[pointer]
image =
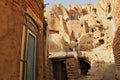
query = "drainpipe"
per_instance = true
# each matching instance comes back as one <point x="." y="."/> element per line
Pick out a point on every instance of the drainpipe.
<point x="45" y="49"/>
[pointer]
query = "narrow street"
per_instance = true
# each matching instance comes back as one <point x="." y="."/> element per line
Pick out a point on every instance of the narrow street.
<point x="59" y="40"/>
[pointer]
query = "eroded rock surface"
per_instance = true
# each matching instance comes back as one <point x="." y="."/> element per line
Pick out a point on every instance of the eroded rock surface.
<point x="88" y="29"/>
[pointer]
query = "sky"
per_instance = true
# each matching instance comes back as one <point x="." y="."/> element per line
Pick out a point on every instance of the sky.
<point x="68" y="2"/>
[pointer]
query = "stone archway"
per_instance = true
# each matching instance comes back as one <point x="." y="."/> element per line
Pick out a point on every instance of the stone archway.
<point x="84" y="66"/>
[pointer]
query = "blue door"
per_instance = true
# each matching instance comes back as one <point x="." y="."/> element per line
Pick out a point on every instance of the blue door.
<point x="30" y="58"/>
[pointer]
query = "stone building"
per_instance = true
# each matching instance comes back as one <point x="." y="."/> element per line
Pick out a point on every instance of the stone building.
<point x="65" y="30"/>
<point x="22" y="40"/>
<point x="116" y="43"/>
<point x="78" y="35"/>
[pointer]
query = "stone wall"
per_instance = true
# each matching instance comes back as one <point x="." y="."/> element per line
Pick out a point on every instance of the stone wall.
<point x="74" y="21"/>
<point x="51" y="70"/>
<point x="116" y="42"/>
<point x="72" y="68"/>
<point x="99" y="24"/>
<point x="10" y="41"/>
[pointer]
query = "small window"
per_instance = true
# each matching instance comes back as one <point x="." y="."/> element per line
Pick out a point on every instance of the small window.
<point x="92" y="30"/>
<point x="73" y="17"/>
<point x="95" y="10"/>
<point x="81" y="25"/>
<point x="97" y="21"/>
<point x="52" y="14"/>
<point x="102" y="34"/>
<point x="101" y="41"/>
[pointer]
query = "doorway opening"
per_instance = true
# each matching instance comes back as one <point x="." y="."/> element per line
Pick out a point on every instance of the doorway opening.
<point x="29" y="49"/>
<point x="84" y="66"/>
<point x="59" y="70"/>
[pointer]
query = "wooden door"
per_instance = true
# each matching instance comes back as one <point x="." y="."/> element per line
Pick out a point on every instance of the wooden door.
<point x="59" y="70"/>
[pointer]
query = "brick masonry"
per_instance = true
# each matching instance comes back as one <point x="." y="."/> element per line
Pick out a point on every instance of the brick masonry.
<point x="71" y="68"/>
<point x="116" y="42"/>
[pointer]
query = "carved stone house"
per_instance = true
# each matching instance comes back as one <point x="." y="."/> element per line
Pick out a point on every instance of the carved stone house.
<point x="73" y="33"/>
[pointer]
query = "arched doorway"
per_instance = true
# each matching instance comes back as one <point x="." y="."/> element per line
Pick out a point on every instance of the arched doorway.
<point x="84" y="66"/>
<point x="59" y="70"/>
<point x="30" y="48"/>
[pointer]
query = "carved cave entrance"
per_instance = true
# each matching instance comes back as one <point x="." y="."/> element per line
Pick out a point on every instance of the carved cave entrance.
<point x="84" y="66"/>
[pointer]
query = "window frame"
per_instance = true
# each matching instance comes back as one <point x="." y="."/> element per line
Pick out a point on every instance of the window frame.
<point x="24" y="48"/>
<point x="26" y="53"/>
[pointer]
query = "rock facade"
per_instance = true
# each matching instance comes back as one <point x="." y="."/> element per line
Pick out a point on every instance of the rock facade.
<point x="75" y="21"/>
<point x="88" y="30"/>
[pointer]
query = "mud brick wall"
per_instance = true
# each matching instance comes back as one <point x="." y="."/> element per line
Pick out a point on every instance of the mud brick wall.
<point x="50" y="70"/>
<point x="72" y="69"/>
<point x="116" y="42"/>
<point x="11" y="31"/>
